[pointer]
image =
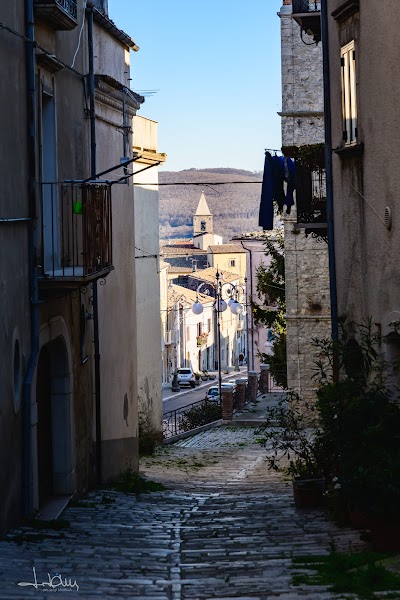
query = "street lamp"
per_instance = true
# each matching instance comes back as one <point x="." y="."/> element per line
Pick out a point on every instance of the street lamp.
<point x="220" y="306"/>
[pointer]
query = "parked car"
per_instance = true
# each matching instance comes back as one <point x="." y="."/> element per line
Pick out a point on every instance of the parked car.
<point x="212" y="393"/>
<point x="186" y="376"/>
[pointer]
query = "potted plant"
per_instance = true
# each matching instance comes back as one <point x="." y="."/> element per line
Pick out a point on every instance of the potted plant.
<point x="291" y="437"/>
<point x="204" y="376"/>
<point x="359" y="420"/>
<point x="197" y="377"/>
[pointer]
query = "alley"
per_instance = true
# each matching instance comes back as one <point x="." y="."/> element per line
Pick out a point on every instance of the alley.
<point x="224" y="527"/>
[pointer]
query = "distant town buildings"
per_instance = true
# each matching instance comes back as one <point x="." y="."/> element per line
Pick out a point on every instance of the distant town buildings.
<point x="189" y="268"/>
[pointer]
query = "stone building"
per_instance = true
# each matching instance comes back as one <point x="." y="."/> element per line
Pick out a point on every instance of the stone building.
<point x="203" y="226"/>
<point x="306" y="250"/>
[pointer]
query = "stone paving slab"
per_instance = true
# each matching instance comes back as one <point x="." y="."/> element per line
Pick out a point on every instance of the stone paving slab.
<point x="225" y="527"/>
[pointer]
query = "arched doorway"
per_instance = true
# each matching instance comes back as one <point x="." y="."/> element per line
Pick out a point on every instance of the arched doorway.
<point x="54" y="422"/>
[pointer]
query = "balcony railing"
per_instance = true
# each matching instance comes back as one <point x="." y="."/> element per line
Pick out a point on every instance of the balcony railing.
<point x="76" y="226"/>
<point x="60" y="14"/>
<point x="305" y="6"/>
<point x="311" y="199"/>
<point x="307" y="14"/>
<point x="187" y="418"/>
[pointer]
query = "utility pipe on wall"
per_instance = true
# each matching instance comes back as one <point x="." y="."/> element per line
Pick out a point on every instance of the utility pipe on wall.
<point x="33" y="276"/>
<point x="96" y="336"/>
<point x="328" y="165"/>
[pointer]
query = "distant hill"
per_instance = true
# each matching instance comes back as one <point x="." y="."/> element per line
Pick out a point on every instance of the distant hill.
<point x="234" y="206"/>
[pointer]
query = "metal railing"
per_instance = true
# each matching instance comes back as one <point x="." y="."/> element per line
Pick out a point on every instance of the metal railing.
<point x="310" y="194"/>
<point x="190" y="417"/>
<point x="68" y="6"/>
<point x="76" y="228"/>
<point x="274" y="384"/>
<point x="305" y="6"/>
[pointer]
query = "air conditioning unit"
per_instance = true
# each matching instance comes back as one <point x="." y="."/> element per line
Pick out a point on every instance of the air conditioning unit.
<point x="168" y="340"/>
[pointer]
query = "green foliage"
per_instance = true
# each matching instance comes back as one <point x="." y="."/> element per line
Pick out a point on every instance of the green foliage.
<point x="292" y="440"/>
<point x="149" y="438"/>
<point x="359" y="422"/>
<point x="360" y="573"/>
<point x="354" y="356"/>
<point x="133" y="483"/>
<point x="201" y="414"/>
<point x="308" y="155"/>
<point x="271" y="292"/>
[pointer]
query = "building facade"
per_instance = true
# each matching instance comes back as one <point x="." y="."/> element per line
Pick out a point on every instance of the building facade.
<point x="68" y="408"/>
<point x="365" y="131"/>
<point x="147" y="327"/>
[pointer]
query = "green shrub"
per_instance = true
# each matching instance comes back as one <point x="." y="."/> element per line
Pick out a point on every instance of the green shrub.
<point x="201" y="414"/>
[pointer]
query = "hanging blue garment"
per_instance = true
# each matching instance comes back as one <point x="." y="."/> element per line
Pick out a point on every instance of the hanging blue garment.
<point x="290" y="177"/>
<point x="266" y="215"/>
<point x="278" y="177"/>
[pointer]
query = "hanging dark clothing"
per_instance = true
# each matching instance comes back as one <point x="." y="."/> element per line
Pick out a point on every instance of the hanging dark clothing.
<point x="289" y="167"/>
<point x="278" y="177"/>
<point x="277" y="170"/>
<point x="266" y="214"/>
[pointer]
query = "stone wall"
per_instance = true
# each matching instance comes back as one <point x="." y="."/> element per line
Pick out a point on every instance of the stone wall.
<point x="307" y="305"/>
<point x="302" y="84"/>
<point x="306" y="258"/>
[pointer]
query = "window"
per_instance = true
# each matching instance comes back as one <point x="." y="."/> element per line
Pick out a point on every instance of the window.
<point x="209" y="325"/>
<point x="232" y="262"/>
<point x="188" y="334"/>
<point x="199" y="329"/>
<point x="203" y="225"/>
<point x="349" y="94"/>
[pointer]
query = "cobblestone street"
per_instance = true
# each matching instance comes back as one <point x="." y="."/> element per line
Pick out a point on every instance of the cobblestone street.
<point x="225" y="527"/>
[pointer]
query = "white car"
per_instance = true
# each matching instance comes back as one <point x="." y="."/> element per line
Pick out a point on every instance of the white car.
<point x="186" y="376"/>
<point x="212" y="392"/>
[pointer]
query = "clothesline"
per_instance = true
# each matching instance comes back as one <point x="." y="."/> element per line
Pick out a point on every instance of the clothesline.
<point x="274" y="150"/>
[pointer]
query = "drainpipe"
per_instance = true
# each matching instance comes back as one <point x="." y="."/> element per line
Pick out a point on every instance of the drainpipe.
<point x="33" y="276"/>
<point x="96" y="339"/>
<point x="328" y="165"/>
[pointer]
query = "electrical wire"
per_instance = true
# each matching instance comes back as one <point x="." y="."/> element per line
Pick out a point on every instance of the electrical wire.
<point x="80" y="33"/>
<point x="365" y="200"/>
<point x="147" y="254"/>
<point x="39" y="47"/>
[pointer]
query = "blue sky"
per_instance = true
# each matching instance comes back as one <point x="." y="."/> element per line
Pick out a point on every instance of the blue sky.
<point x="216" y="64"/>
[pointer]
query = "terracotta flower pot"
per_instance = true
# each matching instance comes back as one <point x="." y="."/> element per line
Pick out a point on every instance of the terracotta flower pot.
<point x="385" y="534"/>
<point x="308" y="493"/>
<point x="358" y="519"/>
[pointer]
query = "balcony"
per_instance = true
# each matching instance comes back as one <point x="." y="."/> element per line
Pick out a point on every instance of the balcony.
<point x="311" y="200"/>
<point x="60" y="14"/>
<point x="307" y="13"/>
<point x="76" y="235"/>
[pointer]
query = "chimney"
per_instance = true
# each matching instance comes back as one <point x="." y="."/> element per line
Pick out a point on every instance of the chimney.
<point x="102" y="6"/>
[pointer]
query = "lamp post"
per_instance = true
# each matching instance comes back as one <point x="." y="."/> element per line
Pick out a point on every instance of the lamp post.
<point x="220" y="306"/>
<point x="176" y="300"/>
